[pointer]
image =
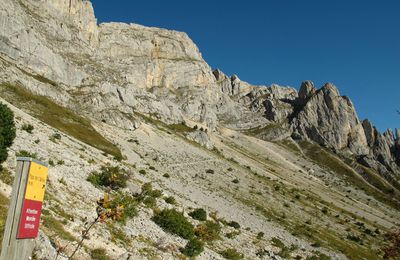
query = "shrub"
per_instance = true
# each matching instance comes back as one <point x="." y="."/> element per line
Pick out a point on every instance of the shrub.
<point x="193" y="248"/>
<point x="208" y="231"/>
<point x="112" y="177"/>
<point x="324" y="210"/>
<point x="51" y="162"/>
<point x="6" y="176"/>
<point x="231" y="254"/>
<point x="7" y="130"/>
<point x="232" y="234"/>
<point x="142" y="172"/>
<point x="99" y="254"/>
<point x="54" y="137"/>
<point x="277" y="242"/>
<point x="23" y="153"/>
<point x="147" y="190"/>
<point x="234" y="224"/>
<point x="170" y="200"/>
<point x="166" y="175"/>
<point x="174" y="222"/>
<point x="260" y="235"/>
<point x="236" y="181"/>
<point x="199" y="214"/>
<point x="28" y="128"/>
<point x="210" y="171"/>
<point x="150" y="202"/>
<point x="128" y="202"/>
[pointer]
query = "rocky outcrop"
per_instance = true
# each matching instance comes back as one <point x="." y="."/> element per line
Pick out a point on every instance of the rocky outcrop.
<point x="201" y="137"/>
<point x="307" y="90"/>
<point x="329" y="119"/>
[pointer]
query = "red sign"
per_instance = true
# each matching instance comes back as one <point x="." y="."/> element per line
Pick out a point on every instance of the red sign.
<point x="30" y="219"/>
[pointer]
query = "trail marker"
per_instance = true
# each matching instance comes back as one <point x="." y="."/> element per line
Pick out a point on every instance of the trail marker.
<point x="23" y="218"/>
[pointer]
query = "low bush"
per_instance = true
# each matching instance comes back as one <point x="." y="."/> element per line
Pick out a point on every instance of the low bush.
<point x="128" y="202"/>
<point x="28" y="128"/>
<point x="231" y="254"/>
<point x="23" y="153"/>
<point x="99" y="254"/>
<point x="6" y="176"/>
<point x="111" y="177"/>
<point x="210" y="171"/>
<point x="193" y="248"/>
<point x="234" y="224"/>
<point x="208" y="231"/>
<point x="174" y="222"/>
<point x="170" y="200"/>
<point x="199" y="214"/>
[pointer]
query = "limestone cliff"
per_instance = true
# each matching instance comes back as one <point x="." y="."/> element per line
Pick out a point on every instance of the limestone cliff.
<point x="113" y="71"/>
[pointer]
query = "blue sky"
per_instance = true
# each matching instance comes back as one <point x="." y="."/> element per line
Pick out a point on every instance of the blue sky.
<point x="353" y="44"/>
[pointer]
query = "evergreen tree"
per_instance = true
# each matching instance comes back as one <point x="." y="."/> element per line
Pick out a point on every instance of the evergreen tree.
<point x="7" y="130"/>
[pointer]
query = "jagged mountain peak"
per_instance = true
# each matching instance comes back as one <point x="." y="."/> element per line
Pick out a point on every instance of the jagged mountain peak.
<point x="254" y="154"/>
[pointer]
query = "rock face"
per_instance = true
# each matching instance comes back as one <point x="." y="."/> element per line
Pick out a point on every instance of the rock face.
<point x="114" y="72"/>
<point x="330" y="119"/>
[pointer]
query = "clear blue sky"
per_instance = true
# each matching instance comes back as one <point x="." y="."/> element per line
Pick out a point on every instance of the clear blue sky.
<point x="354" y="44"/>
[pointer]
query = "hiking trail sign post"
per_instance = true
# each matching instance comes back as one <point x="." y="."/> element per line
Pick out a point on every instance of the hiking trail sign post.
<point x="23" y="218"/>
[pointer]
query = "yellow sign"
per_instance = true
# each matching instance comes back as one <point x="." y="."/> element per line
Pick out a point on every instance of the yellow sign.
<point x="36" y="182"/>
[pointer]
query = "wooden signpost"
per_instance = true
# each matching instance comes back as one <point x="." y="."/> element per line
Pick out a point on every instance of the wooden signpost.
<point x="23" y="218"/>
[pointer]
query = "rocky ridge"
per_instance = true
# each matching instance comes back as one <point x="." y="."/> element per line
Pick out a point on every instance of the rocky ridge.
<point x="132" y="80"/>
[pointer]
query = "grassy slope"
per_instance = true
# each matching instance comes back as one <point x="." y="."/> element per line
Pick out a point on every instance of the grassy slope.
<point x="375" y="186"/>
<point x="57" y="116"/>
<point x="3" y="215"/>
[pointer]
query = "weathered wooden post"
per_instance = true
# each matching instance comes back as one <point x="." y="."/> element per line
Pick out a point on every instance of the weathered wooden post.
<point x="23" y="218"/>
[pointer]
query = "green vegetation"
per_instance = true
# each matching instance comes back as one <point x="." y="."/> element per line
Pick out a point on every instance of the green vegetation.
<point x="326" y="159"/>
<point x="28" y="128"/>
<point x="3" y="215"/>
<point x="55" y="227"/>
<point x="284" y="250"/>
<point x="55" y="137"/>
<point x="170" y="200"/>
<point x="208" y="231"/>
<point x="57" y="116"/>
<point x="318" y="256"/>
<point x="99" y="254"/>
<point x="109" y="176"/>
<point x="118" y="235"/>
<point x="180" y="128"/>
<point x="7" y="131"/>
<point x="193" y="248"/>
<point x="231" y="254"/>
<point x="149" y="195"/>
<point x="174" y="222"/>
<point x="6" y="176"/>
<point x="129" y="204"/>
<point x="59" y="211"/>
<point x="199" y="214"/>
<point x="210" y="171"/>
<point x="24" y="153"/>
<point x="234" y="224"/>
<point x="261" y="130"/>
